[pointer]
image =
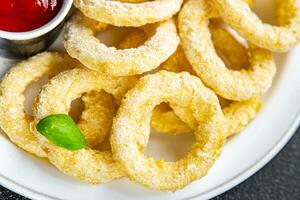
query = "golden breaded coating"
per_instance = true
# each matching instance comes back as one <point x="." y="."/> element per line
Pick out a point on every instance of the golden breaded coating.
<point x="86" y="164"/>
<point x="286" y="11"/>
<point x="177" y="63"/>
<point x="96" y="118"/>
<point x="133" y="40"/>
<point x="132" y="1"/>
<point x="166" y="121"/>
<point x="131" y="129"/>
<point x="225" y="44"/>
<point x="119" y="62"/>
<point x="13" y="119"/>
<point x="239" y="113"/>
<point x="234" y="54"/>
<point x="199" y="50"/>
<point x="227" y="47"/>
<point x="185" y="66"/>
<point x="275" y="38"/>
<point x="129" y="14"/>
<point x="163" y="118"/>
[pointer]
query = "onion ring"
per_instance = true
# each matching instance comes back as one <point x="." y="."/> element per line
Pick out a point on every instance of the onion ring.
<point x="196" y="41"/>
<point x="238" y="114"/>
<point x="16" y="124"/>
<point x="228" y="48"/>
<point x="131" y="130"/>
<point x="86" y="164"/>
<point x="163" y="118"/>
<point x="133" y="1"/>
<point x="133" y="40"/>
<point x="128" y="14"/>
<point x="95" y="55"/>
<point x="13" y="119"/>
<point x="96" y="118"/>
<point x="275" y="38"/>
<point x="233" y="53"/>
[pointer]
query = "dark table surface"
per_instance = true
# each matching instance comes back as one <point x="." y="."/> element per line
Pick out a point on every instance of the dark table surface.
<point x="279" y="179"/>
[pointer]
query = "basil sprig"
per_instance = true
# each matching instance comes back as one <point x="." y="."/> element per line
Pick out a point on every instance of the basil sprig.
<point x="61" y="130"/>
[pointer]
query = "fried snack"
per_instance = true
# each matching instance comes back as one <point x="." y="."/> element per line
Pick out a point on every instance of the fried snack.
<point x="239" y="114"/>
<point x="13" y="119"/>
<point x="132" y="1"/>
<point x="275" y="38"/>
<point x="131" y="129"/>
<point x="227" y="47"/>
<point x="199" y="50"/>
<point x="128" y="14"/>
<point x="133" y="40"/>
<point x="96" y="118"/>
<point x="95" y="55"/>
<point x="86" y="164"/>
<point x="163" y="118"/>
<point x="250" y="2"/>
<point x="233" y="53"/>
<point x="166" y="121"/>
<point x="177" y="63"/>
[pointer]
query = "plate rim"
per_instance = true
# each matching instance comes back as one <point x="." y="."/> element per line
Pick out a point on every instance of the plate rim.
<point x="255" y="167"/>
<point x="219" y="189"/>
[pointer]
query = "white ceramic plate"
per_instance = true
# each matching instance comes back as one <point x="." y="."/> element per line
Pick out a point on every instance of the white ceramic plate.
<point x="242" y="156"/>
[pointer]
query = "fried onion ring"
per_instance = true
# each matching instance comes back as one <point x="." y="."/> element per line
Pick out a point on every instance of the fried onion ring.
<point x="119" y="62"/>
<point x="131" y="129"/>
<point x="233" y="85"/>
<point x="132" y="1"/>
<point x="238" y="114"/>
<point x="96" y="118"/>
<point x="133" y="40"/>
<point x="129" y="14"/>
<point x="13" y="119"/>
<point x="86" y="164"/>
<point x="275" y="38"/>
<point x="163" y="118"/>
<point x="233" y="53"/>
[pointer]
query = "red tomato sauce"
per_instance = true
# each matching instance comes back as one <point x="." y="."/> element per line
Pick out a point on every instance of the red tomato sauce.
<point x="26" y="15"/>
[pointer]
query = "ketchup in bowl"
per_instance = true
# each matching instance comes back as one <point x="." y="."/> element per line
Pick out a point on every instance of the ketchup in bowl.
<point x="26" y="15"/>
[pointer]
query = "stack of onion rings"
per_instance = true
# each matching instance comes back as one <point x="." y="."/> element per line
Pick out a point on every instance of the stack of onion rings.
<point x="239" y="114"/>
<point x="96" y="118"/>
<point x="13" y="119"/>
<point x="204" y="81"/>
<point x="87" y="164"/>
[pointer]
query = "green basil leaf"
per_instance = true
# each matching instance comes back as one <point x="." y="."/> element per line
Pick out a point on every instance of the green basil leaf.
<point x="61" y="130"/>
